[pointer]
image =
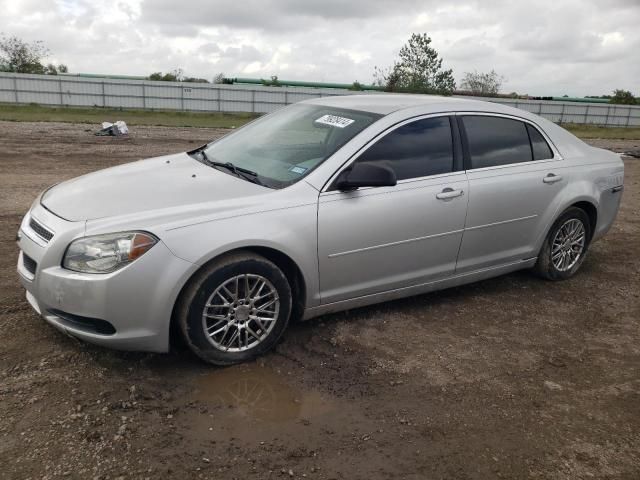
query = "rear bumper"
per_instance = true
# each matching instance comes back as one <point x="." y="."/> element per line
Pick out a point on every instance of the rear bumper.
<point x="136" y="301"/>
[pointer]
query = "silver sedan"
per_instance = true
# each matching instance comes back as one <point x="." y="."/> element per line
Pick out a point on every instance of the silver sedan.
<point x="322" y="206"/>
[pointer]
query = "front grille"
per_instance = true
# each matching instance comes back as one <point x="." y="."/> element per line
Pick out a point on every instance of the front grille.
<point x="40" y="230"/>
<point x="29" y="264"/>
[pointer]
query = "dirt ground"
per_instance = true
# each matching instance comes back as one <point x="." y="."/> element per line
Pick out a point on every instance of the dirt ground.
<point x="514" y="377"/>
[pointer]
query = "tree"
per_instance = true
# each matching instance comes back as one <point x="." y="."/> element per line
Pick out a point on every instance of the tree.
<point x="219" y="78"/>
<point x="194" y="80"/>
<point x="174" y="76"/>
<point x="387" y="78"/>
<point x="51" y="69"/>
<point x="624" y="97"/>
<point x="483" y="84"/>
<point x="418" y="69"/>
<point x="19" y="56"/>
<point x="271" y="83"/>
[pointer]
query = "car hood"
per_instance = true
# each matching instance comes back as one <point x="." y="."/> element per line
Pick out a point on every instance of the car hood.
<point x="153" y="184"/>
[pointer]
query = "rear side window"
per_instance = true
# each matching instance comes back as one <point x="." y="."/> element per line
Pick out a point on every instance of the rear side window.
<point x="541" y="149"/>
<point x="417" y="149"/>
<point x="495" y="141"/>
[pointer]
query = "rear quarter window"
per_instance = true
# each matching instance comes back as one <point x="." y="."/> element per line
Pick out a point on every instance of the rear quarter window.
<point x="540" y="147"/>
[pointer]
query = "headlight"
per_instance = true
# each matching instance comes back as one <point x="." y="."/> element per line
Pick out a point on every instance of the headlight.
<point x="106" y="253"/>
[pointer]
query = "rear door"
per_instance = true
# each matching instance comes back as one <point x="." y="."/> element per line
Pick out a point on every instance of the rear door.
<point x="514" y="176"/>
<point x="373" y="240"/>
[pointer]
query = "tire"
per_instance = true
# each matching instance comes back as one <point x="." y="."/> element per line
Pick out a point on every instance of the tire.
<point x="209" y="317"/>
<point x="552" y="264"/>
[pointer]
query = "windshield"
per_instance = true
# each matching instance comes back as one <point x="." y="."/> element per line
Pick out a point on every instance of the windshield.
<point x="284" y="146"/>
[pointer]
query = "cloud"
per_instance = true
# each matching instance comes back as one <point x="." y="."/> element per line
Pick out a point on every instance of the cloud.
<point x="546" y="48"/>
<point x="273" y="15"/>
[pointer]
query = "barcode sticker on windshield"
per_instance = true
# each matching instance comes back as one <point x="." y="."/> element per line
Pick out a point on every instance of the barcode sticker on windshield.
<point x="335" y="121"/>
<point x="298" y="170"/>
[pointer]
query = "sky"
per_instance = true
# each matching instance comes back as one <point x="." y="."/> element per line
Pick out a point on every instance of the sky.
<point x="540" y="47"/>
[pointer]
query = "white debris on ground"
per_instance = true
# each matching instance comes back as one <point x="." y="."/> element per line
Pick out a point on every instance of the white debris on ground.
<point x="113" y="129"/>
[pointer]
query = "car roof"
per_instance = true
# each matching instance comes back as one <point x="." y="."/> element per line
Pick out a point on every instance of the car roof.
<point x="387" y="103"/>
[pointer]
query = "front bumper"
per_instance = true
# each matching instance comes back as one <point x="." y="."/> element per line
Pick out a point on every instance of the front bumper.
<point x="136" y="301"/>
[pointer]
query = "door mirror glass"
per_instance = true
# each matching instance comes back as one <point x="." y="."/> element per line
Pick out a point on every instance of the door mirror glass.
<point x="366" y="174"/>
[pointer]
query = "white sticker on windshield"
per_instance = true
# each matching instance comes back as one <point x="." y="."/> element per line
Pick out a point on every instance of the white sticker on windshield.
<point x="298" y="170"/>
<point x="335" y="121"/>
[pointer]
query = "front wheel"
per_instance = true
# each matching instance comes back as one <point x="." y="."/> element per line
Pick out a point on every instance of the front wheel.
<point x="565" y="247"/>
<point x="236" y="309"/>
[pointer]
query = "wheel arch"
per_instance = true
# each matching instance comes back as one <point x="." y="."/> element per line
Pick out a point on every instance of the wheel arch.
<point x="584" y="203"/>
<point x="592" y="212"/>
<point x="284" y="262"/>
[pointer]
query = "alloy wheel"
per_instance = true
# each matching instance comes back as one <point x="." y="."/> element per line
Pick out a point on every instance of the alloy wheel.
<point x="240" y="313"/>
<point x="568" y="245"/>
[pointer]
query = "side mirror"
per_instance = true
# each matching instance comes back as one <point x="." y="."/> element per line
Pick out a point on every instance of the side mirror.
<point x="366" y="174"/>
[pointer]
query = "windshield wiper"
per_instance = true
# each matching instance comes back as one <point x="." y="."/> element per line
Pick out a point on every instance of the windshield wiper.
<point x="245" y="173"/>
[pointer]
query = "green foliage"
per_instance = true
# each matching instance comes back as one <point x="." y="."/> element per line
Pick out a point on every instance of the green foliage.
<point x="36" y="113"/>
<point x="219" y="79"/>
<point x="623" y="97"/>
<point x="51" y="69"/>
<point x="174" y="76"/>
<point x="418" y="69"/>
<point x="195" y="80"/>
<point x="21" y="57"/>
<point x="482" y="84"/>
<point x="593" y="131"/>
<point x="271" y="83"/>
<point x="356" y="86"/>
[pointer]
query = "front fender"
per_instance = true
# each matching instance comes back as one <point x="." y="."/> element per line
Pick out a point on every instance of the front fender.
<point x="291" y="231"/>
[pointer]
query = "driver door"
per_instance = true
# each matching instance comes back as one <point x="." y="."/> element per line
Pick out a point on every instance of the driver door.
<point x="377" y="239"/>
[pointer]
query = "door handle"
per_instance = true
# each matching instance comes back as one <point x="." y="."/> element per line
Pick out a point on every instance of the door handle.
<point x="448" y="193"/>
<point x="552" y="178"/>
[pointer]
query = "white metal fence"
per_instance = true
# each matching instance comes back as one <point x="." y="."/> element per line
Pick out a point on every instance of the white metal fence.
<point x="143" y="94"/>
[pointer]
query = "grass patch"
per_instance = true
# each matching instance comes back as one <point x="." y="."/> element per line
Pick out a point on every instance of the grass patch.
<point x="593" y="131"/>
<point x="97" y="115"/>
<point x="172" y="118"/>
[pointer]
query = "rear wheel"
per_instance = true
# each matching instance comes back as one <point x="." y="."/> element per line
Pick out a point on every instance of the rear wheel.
<point x="565" y="247"/>
<point x="235" y="309"/>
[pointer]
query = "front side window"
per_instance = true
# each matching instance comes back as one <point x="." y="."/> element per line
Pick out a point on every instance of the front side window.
<point x="418" y="149"/>
<point x="283" y="147"/>
<point x="495" y="141"/>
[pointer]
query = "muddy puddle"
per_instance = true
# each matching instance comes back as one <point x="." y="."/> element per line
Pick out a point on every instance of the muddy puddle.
<point x="249" y="401"/>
